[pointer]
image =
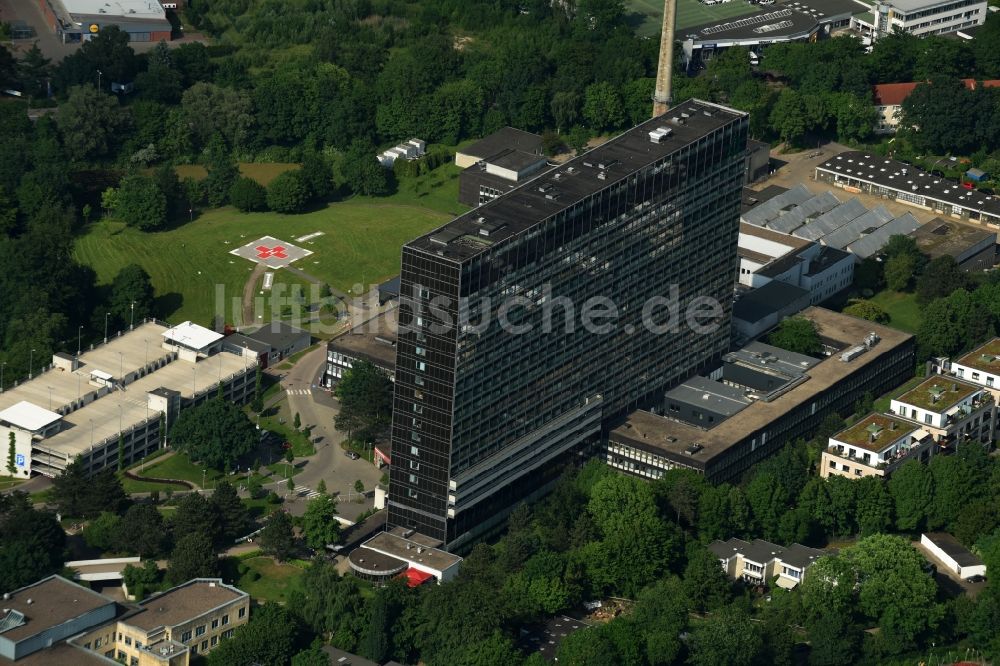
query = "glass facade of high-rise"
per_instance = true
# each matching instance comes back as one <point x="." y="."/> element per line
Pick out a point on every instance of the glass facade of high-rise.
<point x="530" y="322"/>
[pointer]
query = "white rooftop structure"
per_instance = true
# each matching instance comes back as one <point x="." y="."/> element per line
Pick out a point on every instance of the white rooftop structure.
<point x="28" y="416"/>
<point x="119" y="388"/>
<point x="136" y="9"/>
<point x="192" y="336"/>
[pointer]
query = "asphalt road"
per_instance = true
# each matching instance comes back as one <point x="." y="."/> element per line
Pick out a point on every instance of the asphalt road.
<point x="318" y="409"/>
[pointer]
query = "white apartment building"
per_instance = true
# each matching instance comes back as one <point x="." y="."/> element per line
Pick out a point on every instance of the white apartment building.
<point x="758" y="562"/>
<point x="952" y="411"/>
<point x="920" y="17"/>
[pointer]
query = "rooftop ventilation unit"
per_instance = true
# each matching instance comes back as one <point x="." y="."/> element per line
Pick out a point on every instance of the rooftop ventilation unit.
<point x="659" y="134"/>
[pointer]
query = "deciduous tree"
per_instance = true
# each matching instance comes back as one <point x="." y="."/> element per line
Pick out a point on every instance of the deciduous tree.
<point x="215" y="433"/>
<point x="277" y="538"/>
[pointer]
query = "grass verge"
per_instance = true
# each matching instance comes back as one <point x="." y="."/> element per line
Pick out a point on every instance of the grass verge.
<point x="902" y="308"/>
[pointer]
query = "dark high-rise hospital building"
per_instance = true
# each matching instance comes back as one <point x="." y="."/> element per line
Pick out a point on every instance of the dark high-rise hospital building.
<point x="485" y="416"/>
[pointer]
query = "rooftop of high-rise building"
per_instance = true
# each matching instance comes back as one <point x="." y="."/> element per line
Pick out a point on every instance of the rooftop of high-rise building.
<point x="537" y="199"/>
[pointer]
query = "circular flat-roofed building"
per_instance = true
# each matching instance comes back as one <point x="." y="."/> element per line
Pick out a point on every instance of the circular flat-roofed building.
<point x="374" y="566"/>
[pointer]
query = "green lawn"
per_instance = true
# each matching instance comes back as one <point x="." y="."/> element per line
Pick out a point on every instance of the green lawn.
<point x="6" y="483"/>
<point x="266" y="580"/>
<point x="904" y="313"/>
<point x="179" y="466"/>
<point x="190" y="265"/>
<point x="133" y="486"/>
<point x="648" y="14"/>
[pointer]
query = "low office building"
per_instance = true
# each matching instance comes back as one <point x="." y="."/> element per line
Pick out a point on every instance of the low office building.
<point x="191" y="618"/>
<point x="81" y="20"/>
<point x="36" y="617"/>
<point x="759" y="562"/>
<point x="403" y="554"/>
<point x="56" y="622"/>
<point x="952" y="411"/>
<point x="125" y="390"/>
<point x="283" y="339"/>
<point x="759" y="310"/>
<point x="973" y="248"/>
<point x="889" y="98"/>
<point x="498" y="174"/>
<point x="767" y="255"/>
<point x="875" y="446"/>
<point x="863" y="356"/>
<point x="919" y="17"/>
<point x="507" y="138"/>
<point x="497" y="164"/>
<point x="952" y="554"/>
<point x="373" y="341"/>
<point x="855" y="171"/>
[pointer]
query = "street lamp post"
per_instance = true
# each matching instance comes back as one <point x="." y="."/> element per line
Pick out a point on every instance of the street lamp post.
<point x="50" y="397"/>
<point x="106" y="315"/>
<point x="131" y="317"/>
<point x="99" y="74"/>
<point x="31" y="364"/>
<point x="79" y="336"/>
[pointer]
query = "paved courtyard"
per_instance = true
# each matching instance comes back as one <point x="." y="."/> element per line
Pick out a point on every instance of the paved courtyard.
<point x="271" y="252"/>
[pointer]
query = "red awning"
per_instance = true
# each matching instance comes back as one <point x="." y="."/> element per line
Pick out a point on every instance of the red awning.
<point x="415" y="577"/>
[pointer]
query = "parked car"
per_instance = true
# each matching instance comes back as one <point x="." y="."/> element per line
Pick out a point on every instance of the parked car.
<point x="978" y="578"/>
<point x="352" y="455"/>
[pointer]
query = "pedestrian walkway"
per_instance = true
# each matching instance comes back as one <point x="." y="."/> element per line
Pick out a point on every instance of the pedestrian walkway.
<point x="307" y="391"/>
<point x="308" y="493"/>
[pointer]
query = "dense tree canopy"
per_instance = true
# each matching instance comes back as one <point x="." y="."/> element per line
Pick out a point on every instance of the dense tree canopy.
<point x="215" y="433"/>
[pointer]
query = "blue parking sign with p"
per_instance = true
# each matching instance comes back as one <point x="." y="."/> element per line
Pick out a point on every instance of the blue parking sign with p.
<point x="19" y="459"/>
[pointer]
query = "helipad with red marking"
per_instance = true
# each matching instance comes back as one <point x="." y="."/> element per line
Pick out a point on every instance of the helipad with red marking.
<point x="271" y="252"/>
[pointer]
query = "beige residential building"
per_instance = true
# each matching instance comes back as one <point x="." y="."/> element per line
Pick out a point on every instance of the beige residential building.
<point x="875" y="446"/>
<point x="57" y="622"/>
<point x="951" y="410"/>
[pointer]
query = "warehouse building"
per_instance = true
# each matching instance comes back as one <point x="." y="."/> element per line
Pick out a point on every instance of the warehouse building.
<point x="862" y="357"/>
<point x="855" y="171"/>
<point x="81" y="20"/>
<point x="127" y="389"/>
<point x="972" y="248"/>
<point x="823" y="218"/>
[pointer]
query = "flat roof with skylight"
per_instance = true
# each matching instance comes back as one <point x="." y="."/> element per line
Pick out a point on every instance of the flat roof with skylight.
<point x="938" y="394"/>
<point x="985" y="358"/>
<point x="876" y="432"/>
